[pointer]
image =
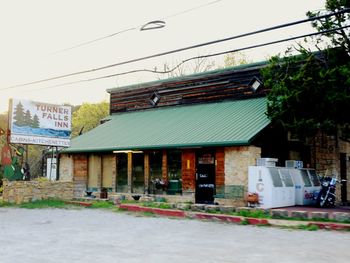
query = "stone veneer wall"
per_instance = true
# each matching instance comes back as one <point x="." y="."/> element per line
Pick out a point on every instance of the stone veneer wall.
<point x="25" y="191"/>
<point x="237" y="160"/>
<point x="326" y="158"/>
<point x="66" y="168"/>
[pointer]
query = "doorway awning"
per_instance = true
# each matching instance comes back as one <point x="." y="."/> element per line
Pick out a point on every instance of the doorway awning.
<point x="230" y="123"/>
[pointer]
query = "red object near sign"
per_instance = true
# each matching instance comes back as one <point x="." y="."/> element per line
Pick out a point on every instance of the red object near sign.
<point x="6" y="155"/>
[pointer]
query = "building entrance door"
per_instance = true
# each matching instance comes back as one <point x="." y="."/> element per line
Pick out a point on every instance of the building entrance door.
<point x="205" y="177"/>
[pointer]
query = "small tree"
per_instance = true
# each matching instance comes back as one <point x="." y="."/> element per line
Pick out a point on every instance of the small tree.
<point x="28" y="118"/>
<point x="36" y="122"/>
<point x="19" y="115"/>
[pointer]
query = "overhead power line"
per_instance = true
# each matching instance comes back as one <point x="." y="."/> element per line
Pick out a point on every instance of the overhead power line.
<point x="93" y="41"/>
<point x="180" y="49"/>
<point x="197" y="57"/>
<point x="131" y="28"/>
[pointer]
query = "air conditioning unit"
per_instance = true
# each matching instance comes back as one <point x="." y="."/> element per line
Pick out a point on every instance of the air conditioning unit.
<point x="294" y="164"/>
<point x="269" y="162"/>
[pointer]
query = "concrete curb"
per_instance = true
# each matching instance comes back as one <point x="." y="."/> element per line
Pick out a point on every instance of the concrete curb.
<point x="232" y="218"/>
<point x="158" y="211"/>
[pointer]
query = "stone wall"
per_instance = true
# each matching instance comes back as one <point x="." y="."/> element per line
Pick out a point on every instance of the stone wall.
<point x="237" y="160"/>
<point x="326" y="152"/>
<point x="25" y="191"/>
<point x="66" y="168"/>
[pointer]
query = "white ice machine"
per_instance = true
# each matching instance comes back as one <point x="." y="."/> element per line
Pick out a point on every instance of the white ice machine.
<point x="307" y="186"/>
<point x="274" y="186"/>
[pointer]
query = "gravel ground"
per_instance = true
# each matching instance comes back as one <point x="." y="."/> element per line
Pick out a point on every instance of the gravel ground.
<point x="88" y="235"/>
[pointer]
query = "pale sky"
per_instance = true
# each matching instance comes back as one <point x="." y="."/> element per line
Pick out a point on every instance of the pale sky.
<point x="32" y="31"/>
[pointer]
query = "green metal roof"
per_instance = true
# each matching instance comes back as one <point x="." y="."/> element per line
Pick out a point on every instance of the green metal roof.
<point x="213" y="124"/>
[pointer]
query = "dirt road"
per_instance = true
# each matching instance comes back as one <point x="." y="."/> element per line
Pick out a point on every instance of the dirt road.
<point x="88" y="236"/>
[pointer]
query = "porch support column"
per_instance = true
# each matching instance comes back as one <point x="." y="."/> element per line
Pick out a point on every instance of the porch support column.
<point x="165" y="166"/>
<point x="129" y="172"/>
<point x="114" y="173"/>
<point x="146" y="172"/>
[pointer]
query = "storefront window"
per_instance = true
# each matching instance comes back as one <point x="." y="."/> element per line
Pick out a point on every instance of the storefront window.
<point x="138" y="173"/>
<point x="122" y="173"/>
<point x="155" y="164"/>
<point x="174" y="172"/>
<point x="156" y="185"/>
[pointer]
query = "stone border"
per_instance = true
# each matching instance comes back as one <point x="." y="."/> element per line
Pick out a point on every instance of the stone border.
<point x="233" y="218"/>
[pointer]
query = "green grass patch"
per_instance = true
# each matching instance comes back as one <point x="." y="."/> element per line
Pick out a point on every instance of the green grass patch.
<point x="213" y="212"/>
<point x="148" y="214"/>
<point x="5" y="204"/>
<point x="308" y="227"/>
<point x="130" y="202"/>
<point x="49" y="203"/>
<point x="253" y="213"/>
<point x="157" y="205"/>
<point x="102" y="204"/>
<point x="244" y="222"/>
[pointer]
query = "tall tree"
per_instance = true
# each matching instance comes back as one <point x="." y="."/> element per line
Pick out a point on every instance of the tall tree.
<point x="235" y="59"/>
<point x="311" y="92"/>
<point x="179" y="69"/>
<point x="3" y="126"/>
<point x="88" y="116"/>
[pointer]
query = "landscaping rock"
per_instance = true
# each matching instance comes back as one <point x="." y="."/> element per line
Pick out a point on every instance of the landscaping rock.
<point x="299" y="214"/>
<point x="183" y="206"/>
<point x="197" y="207"/>
<point x="146" y="199"/>
<point x="227" y="209"/>
<point x="279" y="213"/>
<point x="211" y="208"/>
<point x="341" y="217"/>
<point x="319" y="215"/>
<point x="172" y="205"/>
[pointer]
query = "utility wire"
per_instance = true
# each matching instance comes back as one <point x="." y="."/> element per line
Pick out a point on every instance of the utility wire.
<point x="191" y="9"/>
<point x="197" y="57"/>
<point x="346" y="10"/>
<point x="131" y="28"/>
<point x="93" y="41"/>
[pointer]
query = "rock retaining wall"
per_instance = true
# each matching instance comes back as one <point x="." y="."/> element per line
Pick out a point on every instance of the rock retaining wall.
<point x="25" y="191"/>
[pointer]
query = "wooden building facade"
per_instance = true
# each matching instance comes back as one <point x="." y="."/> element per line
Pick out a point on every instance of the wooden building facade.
<point x="190" y="138"/>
